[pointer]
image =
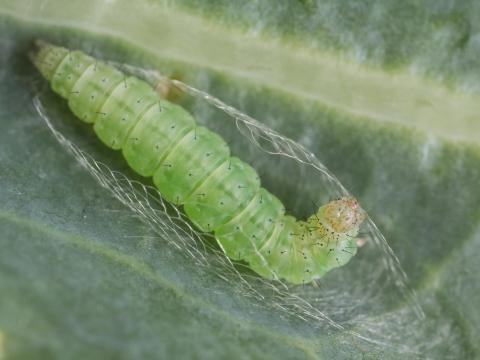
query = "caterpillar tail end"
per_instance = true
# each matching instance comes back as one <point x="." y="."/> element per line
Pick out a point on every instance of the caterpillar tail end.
<point x="46" y="57"/>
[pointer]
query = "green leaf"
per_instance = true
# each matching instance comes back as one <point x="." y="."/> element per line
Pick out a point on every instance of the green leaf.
<point x="385" y="93"/>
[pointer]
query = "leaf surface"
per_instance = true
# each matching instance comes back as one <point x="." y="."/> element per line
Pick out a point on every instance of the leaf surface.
<point x="80" y="277"/>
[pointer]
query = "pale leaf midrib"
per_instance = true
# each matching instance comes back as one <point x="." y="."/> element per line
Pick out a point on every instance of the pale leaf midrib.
<point x="170" y="33"/>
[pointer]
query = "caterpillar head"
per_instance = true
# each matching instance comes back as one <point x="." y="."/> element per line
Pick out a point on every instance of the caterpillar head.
<point x="344" y="214"/>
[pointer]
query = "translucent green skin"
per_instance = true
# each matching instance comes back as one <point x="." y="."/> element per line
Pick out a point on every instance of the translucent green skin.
<point x="191" y="166"/>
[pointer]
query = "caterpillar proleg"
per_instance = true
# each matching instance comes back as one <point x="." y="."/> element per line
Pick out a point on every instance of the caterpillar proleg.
<point x="193" y="167"/>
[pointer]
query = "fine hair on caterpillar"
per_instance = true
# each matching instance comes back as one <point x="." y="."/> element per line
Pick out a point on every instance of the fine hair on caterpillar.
<point x="193" y="167"/>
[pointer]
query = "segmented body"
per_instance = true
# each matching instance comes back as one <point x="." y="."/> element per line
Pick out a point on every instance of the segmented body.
<point x="192" y="167"/>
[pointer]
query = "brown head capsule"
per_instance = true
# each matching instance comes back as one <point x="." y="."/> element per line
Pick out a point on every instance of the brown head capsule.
<point x="344" y="214"/>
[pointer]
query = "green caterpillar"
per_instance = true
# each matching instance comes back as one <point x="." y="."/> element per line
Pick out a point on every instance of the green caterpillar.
<point x="192" y="167"/>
